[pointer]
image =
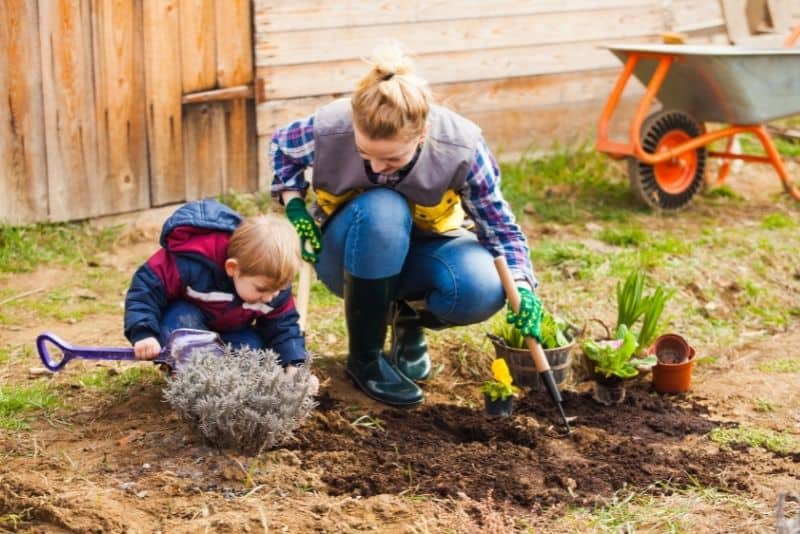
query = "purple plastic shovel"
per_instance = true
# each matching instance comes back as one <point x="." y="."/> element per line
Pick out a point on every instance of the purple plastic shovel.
<point x="180" y="345"/>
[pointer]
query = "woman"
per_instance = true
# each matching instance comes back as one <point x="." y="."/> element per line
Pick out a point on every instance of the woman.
<point x="394" y="176"/>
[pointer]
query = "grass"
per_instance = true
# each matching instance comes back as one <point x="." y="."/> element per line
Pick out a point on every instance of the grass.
<point x="247" y="204"/>
<point x="762" y="405"/>
<point x="784" y="365"/>
<point x="786" y="147"/>
<point x="118" y="384"/>
<point x="568" y="185"/>
<point x="662" y="507"/>
<point x="25" y="248"/>
<point x="779" y="442"/>
<point x="18" y="402"/>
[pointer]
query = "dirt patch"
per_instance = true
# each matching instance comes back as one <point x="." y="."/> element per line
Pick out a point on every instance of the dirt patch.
<point x="446" y="450"/>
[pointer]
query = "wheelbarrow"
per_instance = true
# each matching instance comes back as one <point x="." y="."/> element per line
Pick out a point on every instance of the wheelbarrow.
<point x="698" y="84"/>
<point x="180" y="345"/>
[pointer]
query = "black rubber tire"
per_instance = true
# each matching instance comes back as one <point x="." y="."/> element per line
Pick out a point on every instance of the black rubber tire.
<point x="643" y="177"/>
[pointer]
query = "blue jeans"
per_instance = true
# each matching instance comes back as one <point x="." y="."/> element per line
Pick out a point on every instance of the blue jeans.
<point x="183" y="314"/>
<point x="371" y="237"/>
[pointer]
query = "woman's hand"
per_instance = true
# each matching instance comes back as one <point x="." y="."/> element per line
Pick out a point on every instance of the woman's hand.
<point x="529" y="318"/>
<point x="306" y="228"/>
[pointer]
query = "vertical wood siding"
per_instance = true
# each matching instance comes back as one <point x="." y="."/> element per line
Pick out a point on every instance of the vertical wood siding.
<point x="92" y="112"/>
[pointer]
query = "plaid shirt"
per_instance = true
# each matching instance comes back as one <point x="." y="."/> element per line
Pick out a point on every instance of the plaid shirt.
<point x="292" y="150"/>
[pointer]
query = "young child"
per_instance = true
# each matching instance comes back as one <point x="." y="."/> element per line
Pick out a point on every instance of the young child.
<point x="216" y="271"/>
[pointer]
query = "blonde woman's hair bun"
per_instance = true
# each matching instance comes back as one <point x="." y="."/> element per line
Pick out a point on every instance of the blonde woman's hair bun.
<point x="390" y="100"/>
<point x="388" y="60"/>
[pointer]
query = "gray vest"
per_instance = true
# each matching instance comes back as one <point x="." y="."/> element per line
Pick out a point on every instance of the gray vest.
<point x="443" y="163"/>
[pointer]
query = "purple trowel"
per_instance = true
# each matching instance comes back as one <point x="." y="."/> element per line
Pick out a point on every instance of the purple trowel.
<point x="180" y="345"/>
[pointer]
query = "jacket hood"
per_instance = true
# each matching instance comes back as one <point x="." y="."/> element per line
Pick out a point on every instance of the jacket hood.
<point x="202" y="226"/>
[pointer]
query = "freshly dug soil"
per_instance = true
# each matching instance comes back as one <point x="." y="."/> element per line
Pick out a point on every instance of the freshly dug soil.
<point x="526" y="459"/>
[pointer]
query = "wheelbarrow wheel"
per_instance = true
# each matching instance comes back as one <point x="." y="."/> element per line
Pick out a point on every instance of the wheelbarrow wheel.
<point x="669" y="185"/>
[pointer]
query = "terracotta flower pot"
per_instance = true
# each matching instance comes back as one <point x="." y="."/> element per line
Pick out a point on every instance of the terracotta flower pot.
<point x="675" y="361"/>
<point x="499" y="407"/>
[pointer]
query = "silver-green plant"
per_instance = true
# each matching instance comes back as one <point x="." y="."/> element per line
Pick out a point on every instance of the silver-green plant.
<point x="243" y="399"/>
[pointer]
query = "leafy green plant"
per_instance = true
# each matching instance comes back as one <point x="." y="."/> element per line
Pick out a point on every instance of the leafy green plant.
<point x="633" y="304"/>
<point x="500" y="387"/>
<point x="615" y="357"/>
<point x="653" y="307"/>
<point x="629" y="299"/>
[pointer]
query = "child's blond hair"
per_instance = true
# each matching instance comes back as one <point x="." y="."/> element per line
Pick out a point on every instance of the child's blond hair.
<point x="390" y="101"/>
<point x="266" y="245"/>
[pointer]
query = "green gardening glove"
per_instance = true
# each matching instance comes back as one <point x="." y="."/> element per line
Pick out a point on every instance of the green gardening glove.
<point x="306" y="228"/>
<point x="529" y="319"/>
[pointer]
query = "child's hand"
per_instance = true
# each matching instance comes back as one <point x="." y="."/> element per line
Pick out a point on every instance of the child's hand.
<point x="146" y="349"/>
<point x="313" y="381"/>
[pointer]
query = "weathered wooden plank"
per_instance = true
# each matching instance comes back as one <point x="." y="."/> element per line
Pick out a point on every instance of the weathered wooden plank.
<point x="217" y="95"/>
<point x="23" y="170"/>
<point x="203" y="155"/>
<point x="286" y="15"/>
<point x="70" y="121"/>
<point x="341" y="76"/>
<point x="234" y="43"/>
<point x="198" y="45"/>
<point x="123" y="177"/>
<point x="163" y="96"/>
<point x="253" y="179"/>
<point x="529" y="130"/>
<point x="473" y="97"/>
<point x="237" y="146"/>
<point x="694" y="15"/>
<point x="297" y="47"/>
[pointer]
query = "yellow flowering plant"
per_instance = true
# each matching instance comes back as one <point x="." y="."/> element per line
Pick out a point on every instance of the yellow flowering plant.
<point x="500" y="388"/>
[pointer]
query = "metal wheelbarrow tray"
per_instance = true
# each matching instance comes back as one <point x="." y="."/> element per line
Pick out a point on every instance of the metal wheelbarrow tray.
<point x="698" y="84"/>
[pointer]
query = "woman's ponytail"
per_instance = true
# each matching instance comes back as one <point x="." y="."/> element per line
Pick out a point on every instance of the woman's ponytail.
<point x="390" y="101"/>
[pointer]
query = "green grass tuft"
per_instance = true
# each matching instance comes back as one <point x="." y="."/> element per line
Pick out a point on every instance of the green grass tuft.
<point x="631" y="236"/>
<point x="780" y="442"/>
<point x="247" y="204"/>
<point x="25" y="248"/>
<point x="17" y="402"/>
<point x="784" y="365"/>
<point x="117" y="384"/>
<point x="568" y="185"/>
<point x="775" y="221"/>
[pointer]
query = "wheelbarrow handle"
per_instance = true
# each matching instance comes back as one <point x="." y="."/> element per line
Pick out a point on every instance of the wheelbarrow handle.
<point x="72" y="351"/>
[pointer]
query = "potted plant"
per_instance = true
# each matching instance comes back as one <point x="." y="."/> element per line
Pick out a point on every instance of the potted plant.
<point x="498" y="393"/>
<point x="674" y="362"/>
<point x="558" y="340"/>
<point x="632" y="304"/>
<point x="612" y="363"/>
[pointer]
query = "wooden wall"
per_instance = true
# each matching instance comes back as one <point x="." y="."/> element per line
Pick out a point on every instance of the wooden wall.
<point x="108" y="106"/>
<point x="529" y="73"/>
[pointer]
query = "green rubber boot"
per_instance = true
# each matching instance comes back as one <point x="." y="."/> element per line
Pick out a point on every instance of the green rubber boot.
<point x="366" y="307"/>
<point x="409" y="350"/>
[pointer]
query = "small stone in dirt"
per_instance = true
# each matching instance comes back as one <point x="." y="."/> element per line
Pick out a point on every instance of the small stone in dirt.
<point x="127" y="486"/>
<point x="145" y="466"/>
<point x="142" y="494"/>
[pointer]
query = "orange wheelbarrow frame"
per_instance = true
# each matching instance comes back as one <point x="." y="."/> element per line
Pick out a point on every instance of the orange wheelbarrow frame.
<point x="672" y="154"/>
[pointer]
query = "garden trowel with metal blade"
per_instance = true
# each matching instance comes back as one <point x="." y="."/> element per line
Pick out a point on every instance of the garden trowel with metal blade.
<point x="180" y="345"/>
